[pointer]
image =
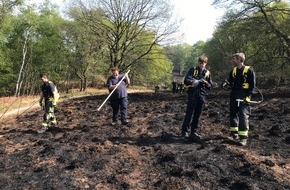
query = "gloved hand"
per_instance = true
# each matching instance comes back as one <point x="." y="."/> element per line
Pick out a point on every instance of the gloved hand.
<point x="247" y="99"/>
<point x="195" y="83"/>
<point x="204" y="82"/>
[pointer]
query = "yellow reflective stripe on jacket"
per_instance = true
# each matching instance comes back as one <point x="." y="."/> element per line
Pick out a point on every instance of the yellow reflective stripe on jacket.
<point x="245" y="71"/>
<point x="55" y="93"/>
<point x="246" y="85"/>
<point x="234" y="72"/>
<point x="206" y="74"/>
<point x="195" y="73"/>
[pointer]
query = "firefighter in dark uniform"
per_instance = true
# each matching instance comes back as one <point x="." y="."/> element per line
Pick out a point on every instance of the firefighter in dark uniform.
<point x="242" y="82"/>
<point x="118" y="99"/>
<point x="197" y="80"/>
<point x="174" y="86"/>
<point x="50" y="96"/>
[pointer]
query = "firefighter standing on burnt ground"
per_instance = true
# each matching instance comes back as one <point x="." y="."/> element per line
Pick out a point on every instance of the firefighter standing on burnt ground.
<point x="242" y="81"/>
<point x="174" y="86"/>
<point x="198" y="80"/>
<point x="119" y="98"/>
<point x="50" y="96"/>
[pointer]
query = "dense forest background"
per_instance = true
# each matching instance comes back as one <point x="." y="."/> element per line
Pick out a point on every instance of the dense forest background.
<point x="77" y="47"/>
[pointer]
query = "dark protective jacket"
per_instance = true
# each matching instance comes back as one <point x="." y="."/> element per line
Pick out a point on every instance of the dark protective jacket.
<point x="242" y="82"/>
<point x="196" y="73"/>
<point x="47" y="89"/>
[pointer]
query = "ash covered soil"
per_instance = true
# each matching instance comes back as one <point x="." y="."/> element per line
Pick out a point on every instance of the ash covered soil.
<point x="86" y="152"/>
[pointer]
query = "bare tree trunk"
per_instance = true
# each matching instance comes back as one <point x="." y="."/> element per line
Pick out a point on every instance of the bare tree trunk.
<point x="81" y="84"/>
<point x="135" y="28"/>
<point x="85" y="83"/>
<point x="24" y="52"/>
<point x="132" y="80"/>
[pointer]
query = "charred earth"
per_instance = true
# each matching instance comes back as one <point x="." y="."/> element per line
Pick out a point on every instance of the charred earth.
<point x="86" y="152"/>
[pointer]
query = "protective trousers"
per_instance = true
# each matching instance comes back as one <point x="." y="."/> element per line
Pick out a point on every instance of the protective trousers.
<point x="119" y="103"/>
<point x="194" y="103"/>
<point x="239" y="117"/>
<point x="49" y="118"/>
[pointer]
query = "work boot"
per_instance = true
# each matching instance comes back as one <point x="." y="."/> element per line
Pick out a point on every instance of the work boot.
<point x="42" y="129"/>
<point x="243" y="142"/>
<point x="195" y="136"/>
<point x="185" y="134"/>
<point x="125" y="122"/>
<point x="53" y="123"/>
<point x="233" y="136"/>
<point x="114" y="123"/>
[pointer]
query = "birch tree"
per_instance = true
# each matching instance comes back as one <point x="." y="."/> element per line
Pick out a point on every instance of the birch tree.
<point x="26" y="36"/>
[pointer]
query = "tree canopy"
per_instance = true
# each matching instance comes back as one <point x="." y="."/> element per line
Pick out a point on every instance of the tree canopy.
<point x="258" y="28"/>
<point x="78" y="47"/>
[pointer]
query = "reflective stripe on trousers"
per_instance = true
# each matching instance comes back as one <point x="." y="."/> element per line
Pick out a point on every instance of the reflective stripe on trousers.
<point x="49" y="116"/>
<point x="239" y="118"/>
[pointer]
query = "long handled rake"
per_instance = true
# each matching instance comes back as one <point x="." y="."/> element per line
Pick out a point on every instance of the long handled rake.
<point x="113" y="91"/>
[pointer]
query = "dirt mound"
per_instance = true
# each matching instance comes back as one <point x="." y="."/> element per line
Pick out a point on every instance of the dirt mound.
<point x="86" y="152"/>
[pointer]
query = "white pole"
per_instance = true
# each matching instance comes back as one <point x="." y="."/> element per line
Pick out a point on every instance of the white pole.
<point x="113" y="90"/>
<point x="252" y="102"/>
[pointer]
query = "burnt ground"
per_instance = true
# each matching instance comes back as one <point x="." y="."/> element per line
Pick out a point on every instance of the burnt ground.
<point x="86" y="152"/>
